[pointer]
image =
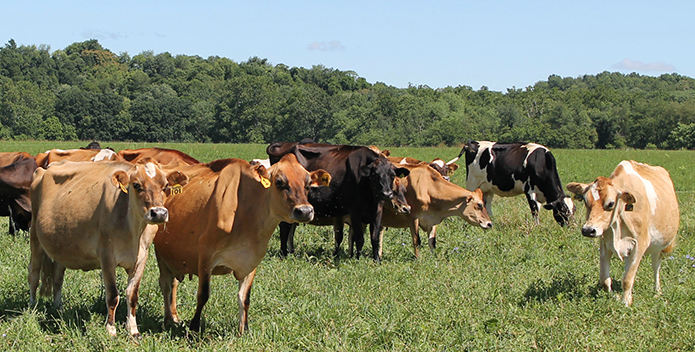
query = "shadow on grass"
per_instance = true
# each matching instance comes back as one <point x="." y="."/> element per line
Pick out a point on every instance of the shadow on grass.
<point x="567" y="288"/>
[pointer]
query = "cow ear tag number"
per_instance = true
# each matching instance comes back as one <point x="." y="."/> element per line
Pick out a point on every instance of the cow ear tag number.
<point x="265" y="182"/>
<point x="176" y="189"/>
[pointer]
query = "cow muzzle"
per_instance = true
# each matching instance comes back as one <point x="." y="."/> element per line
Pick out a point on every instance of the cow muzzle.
<point x="157" y="215"/>
<point x="590" y="231"/>
<point x="303" y="213"/>
<point x="486" y="225"/>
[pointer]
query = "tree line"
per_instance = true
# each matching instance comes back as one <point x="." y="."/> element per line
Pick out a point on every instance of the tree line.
<point x="86" y="92"/>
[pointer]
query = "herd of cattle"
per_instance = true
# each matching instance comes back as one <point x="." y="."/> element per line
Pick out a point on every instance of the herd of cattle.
<point x="94" y="208"/>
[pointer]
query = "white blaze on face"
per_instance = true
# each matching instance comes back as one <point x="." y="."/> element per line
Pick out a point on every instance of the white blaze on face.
<point x="150" y="170"/>
<point x="648" y="186"/>
<point x="594" y="192"/>
<point x="439" y="163"/>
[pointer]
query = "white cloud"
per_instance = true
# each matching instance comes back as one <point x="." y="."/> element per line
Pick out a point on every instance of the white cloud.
<point x="634" y="65"/>
<point x="333" y="45"/>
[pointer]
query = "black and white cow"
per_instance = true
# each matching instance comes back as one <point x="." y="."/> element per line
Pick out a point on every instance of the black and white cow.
<point x="511" y="169"/>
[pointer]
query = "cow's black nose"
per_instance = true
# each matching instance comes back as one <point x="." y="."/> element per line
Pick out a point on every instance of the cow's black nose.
<point x="588" y="231"/>
<point x="157" y="215"/>
<point x="303" y="213"/>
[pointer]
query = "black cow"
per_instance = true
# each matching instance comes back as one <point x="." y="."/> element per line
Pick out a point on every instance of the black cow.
<point x="361" y="181"/>
<point x="15" y="180"/>
<point x="510" y="169"/>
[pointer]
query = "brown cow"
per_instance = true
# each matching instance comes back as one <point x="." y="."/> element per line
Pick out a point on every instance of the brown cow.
<point x="111" y="219"/>
<point x="15" y="180"/>
<point x="634" y="212"/>
<point x="44" y="159"/>
<point x="222" y="222"/>
<point x="161" y="155"/>
<point x="432" y="199"/>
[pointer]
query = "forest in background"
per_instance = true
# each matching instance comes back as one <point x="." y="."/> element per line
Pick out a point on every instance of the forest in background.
<point x="87" y="92"/>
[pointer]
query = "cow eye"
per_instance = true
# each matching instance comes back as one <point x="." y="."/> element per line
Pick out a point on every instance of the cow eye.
<point x="610" y="205"/>
<point x="137" y="186"/>
<point x="281" y="184"/>
<point x="479" y="206"/>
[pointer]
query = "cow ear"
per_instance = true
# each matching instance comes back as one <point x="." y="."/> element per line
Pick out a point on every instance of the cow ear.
<point x="386" y="152"/>
<point x="627" y="197"/>
<point x="121" y="179"/>
<point x="260" y="174"/>
<point x="577" y="188"/>
<point x="320" y="178"/>
<point x="177" y="178"/>
<point x="402" y="172"/>
<point x="453" y="167"/>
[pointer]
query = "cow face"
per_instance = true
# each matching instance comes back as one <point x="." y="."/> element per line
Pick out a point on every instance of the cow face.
<point x="289" y="186"/>
<point x="381" y="174"/>
<point x="399" y="202"/>
<point x="147" y="187"/>
<point x="474" y="211"/>
<point x="603" y="202"/>
<point x="563" y="209"/>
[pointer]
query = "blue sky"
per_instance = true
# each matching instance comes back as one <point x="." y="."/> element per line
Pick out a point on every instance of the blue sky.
<point x="498" y="44"/>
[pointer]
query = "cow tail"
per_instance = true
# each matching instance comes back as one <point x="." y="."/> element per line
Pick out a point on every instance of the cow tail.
<point x="47" y="270"/>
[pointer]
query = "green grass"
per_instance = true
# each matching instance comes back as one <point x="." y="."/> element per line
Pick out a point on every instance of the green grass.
<point x="518" y="286"/>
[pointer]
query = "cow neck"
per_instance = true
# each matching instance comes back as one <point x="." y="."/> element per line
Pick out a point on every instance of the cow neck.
<point x="616" y="227"/>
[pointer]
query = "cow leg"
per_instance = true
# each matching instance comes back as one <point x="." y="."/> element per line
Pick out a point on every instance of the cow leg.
<point x="168" y="285"/>
<point x="11" y="224"/>
<point x="605" y="267"/>
<point x="358" y="233"/>
<point x="204" y="277"/>
<point x="108" y="272"/>
<point x="285" y="229"/>
<point x="290" y="238"/>
<point x="338" y="226"/>
<point x="533" y="204"/>
<point x="35" y="263"/>
<point x="244" y="299"/>
<point x="374" y="228"/>
<point x="58" y="276"/>
<point x="415" y="234"/>
<point x="656" y="266"/>
<point x="432" y="238"/>
<point x="381" y="241"/>
<point x="631" y="265"/>
<point x="487" y="199"/>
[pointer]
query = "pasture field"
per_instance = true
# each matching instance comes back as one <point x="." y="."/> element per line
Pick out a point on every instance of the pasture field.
<point x="518" y="286"/>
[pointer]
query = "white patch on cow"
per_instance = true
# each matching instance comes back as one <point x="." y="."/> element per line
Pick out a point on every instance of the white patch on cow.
<point x="477" y="176"/>
<point x="104" y="154"/>
<point x="439" y="163"/>
<point x="530" y="147"/>
<point x="150" y="170"/>
<point x="648" y="186"/>
<point x="570" y="205"/>
<point x="594" y="192"/>
<point x="403" y="162"/>
<point x="264" y="162"/>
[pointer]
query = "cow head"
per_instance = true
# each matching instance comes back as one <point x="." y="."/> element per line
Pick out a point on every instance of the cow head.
<point x="474" y="211"/>
<point x="563" y="208"/>
<point x="603" y="202"/>
<point x="147" y="187"/>
<point x="289" y="183"/>
<point x="399" y="202"/>
<point x="446" y="169"/>
<point x="381" y="174"/>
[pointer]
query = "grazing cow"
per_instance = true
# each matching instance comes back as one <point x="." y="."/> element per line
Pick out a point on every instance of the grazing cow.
<point x="43" y="160"/>
<point x="161" y="155"/>
<point x="15" y="180"/>
<point x="635" y="212"/>
<point x="510" y="169"/>
<point x="444" y="168"/>
<point x="96" y="215"/>
<point x="222" y="223"/>
<point x="362" y="181"/>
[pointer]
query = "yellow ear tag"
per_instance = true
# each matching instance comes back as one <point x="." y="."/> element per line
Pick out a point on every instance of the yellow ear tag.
<point x="176" y="189"/>
<point x="265" y="182"/>
<point x="123" y="188"/>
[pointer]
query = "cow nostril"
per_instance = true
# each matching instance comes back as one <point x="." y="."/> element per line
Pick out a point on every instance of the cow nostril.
<point x="303" y="213"/>
<point x="158" y="214"/>
<point x="588" y="231"/>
